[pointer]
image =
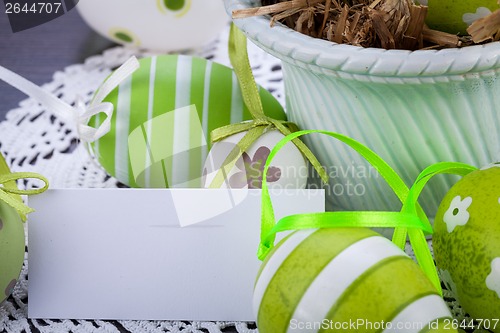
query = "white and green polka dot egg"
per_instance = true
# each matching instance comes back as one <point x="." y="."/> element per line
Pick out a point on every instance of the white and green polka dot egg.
<point x="466" y="242"/>
<point x="151" y="143"/>
<point x="160" y="25"/>
<point x="11" y="249"/>
<point x="323" y="280"/>
<point x="455" y="16"/>
<point x="288" y="170"/>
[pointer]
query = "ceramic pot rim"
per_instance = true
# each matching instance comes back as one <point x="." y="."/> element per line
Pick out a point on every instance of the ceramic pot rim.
<point x="342" y="60"/>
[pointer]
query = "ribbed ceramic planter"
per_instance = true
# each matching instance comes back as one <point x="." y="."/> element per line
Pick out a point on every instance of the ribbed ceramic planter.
<point x="412" y="108"/>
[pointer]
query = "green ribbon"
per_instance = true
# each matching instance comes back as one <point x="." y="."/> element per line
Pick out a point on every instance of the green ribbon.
<point x="461" y="169"/>
<point x="11" y="195"/>
<point x="261" y="123"/>
<point x="410" y="220"/>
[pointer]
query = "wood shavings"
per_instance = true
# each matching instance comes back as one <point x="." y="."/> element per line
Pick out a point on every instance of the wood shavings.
<point x="275" y="8"/>
<point x="413" y="37"/>
<point x="389" y="24"/>
<point x="441" y="38"/>
<point x="305" y="22"/>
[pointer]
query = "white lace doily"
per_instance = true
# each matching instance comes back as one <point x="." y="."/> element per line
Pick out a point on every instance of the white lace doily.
<point x="33" y="139"/>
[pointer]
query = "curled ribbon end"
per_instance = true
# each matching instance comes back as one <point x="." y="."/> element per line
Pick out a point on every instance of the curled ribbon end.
<point x="89" y="134"/>
<point x="10" y="194"/>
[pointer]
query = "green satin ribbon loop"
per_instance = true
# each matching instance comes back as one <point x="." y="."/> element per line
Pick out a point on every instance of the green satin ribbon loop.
<point x="238" y="55"/>
<point x="454" y="168"/>
<point x="368" y="219"/>
<point x="261" y="123"/>
<point x="10" y="194"/>
<point x="228" y="130"/>
<point x="411" y="220"/>
<point x="390" y="176"/>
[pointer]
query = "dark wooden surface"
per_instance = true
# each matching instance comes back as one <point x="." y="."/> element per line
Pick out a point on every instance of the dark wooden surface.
<point x="38" y="52"/>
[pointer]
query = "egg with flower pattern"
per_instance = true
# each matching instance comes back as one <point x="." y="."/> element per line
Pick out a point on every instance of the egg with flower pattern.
<point x="287" y="171"/>
<point x="466" y="243"/>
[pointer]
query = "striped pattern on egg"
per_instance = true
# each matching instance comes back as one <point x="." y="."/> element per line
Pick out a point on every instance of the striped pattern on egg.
<point x="171" y="147"/>
<point x="316" y="280"/>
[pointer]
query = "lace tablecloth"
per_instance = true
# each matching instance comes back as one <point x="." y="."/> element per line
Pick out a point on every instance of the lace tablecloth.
<point x="33" y="139"/>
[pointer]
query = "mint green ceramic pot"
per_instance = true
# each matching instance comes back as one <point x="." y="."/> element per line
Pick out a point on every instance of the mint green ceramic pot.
<point x="412" y="108"/>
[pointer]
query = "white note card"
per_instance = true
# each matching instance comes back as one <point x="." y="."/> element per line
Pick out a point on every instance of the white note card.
<point x="149" y="254"/>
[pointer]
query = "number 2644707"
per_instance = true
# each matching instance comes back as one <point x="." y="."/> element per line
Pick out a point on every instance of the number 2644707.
<point x="488" y="324"/>
<point x="33" y="8"/>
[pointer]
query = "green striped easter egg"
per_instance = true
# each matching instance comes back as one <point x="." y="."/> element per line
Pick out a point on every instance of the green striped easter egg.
<point x="11" y="249"/>
<point x="164" y="113"/>
<point x="345" y="280"/>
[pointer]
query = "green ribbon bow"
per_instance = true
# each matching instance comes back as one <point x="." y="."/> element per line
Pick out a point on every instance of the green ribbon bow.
<point x="410" y="220"/>
<point x="11" y="195"/>
<point x="261" y="123"/>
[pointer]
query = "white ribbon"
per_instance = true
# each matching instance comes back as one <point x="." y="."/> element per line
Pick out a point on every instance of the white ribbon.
<point x="79" y="115"/>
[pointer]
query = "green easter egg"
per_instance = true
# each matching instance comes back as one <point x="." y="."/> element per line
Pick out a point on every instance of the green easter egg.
<point x="455" y="16"/>
<point x="466" y="242"/>
<point x="344" y="280"/>
<point x="11" y="249"/>
<point x="164" y="113"/>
